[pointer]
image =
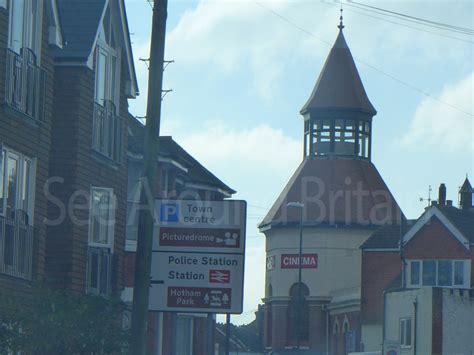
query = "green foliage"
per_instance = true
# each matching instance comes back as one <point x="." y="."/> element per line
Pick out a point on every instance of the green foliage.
<point x="61" y="322"/>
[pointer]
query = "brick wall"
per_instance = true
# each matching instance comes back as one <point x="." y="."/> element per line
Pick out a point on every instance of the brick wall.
<point x="435" y="241"/>
<point x="73" y="160"/>
<point x="29" y="137"/>
<point x="379" y="269"/>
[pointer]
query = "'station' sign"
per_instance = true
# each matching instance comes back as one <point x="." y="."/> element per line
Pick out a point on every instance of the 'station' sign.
<point x="198" y="256"/>
<point x="197" y="280"/>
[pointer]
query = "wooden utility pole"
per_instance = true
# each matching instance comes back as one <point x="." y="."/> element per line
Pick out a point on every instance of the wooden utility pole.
<point x="146" y="220"/>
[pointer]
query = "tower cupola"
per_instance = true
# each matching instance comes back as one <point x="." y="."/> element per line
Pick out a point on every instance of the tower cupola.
<point x="338" y="114"/>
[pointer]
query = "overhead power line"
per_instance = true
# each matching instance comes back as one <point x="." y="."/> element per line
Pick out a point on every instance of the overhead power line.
<point x="417" y="19"/>
<point x="351" y="9"/>
<point x="373" y="67"/>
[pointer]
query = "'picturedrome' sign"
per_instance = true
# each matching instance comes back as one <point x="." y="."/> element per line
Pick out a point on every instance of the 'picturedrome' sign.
<point x="198" y="256"/>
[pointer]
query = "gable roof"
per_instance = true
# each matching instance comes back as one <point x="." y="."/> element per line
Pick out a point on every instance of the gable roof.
<point x="386" y="237"/>
<point x="339" y="85"/>
<point x="460" y="223"/>
<point x="320" y="181"/>
<point x="80" y="20"/>
<point x="169" y="148"/>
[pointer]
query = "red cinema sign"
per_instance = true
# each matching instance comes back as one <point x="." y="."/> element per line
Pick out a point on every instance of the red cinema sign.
<point x="291" y="261"/>
<point x="219" y="276"/>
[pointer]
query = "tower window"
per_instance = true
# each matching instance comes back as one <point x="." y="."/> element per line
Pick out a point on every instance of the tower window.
<point x="343" y="137"/>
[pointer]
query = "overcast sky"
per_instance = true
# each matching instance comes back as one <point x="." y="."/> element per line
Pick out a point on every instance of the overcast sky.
<point x="242" y="73"/>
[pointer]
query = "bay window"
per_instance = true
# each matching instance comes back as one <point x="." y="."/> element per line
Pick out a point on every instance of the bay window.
<point x="101" y="238"/>
<point x="439" y="273"/>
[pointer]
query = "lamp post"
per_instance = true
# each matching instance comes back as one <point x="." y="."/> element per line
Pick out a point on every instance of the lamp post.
<point x="300" y="255"/>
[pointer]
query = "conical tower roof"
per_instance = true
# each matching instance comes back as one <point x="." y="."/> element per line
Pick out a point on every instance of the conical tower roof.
<point x="466" y="187"/>
<point x="339" y="85"/>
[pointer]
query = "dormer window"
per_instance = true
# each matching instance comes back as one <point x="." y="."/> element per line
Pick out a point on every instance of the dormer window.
<point x="107" y="129"/>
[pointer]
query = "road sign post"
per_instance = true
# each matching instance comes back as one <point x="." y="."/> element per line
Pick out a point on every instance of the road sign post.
<point x="198" y="257"/>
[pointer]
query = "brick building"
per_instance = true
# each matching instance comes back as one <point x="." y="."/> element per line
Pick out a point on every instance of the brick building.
<point x="337" y="199"/>
<point x="29" y="35"/>
<point x="437" y="251"/>
<point x="66" y="72"/>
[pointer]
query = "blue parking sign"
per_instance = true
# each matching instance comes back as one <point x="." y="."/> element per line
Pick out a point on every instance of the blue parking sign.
<point x="169" y="212"/>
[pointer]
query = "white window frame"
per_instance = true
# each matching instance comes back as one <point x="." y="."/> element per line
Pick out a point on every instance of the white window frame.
<point x="21" y="158"/>
<point x="466" y="273"/>
<point x="111" y="219"/>
<point x="32" y="24"/>
<point x="111" y="92"/>
<point x="403" y="333"/>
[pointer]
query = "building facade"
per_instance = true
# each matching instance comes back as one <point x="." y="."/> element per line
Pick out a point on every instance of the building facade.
<point x="434" y="252"/>
<point x="66" y="75"/>
<point x="334" y="201"/>
<point x="29" y="35"/>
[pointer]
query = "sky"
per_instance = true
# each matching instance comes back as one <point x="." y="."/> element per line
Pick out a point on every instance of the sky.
<point x="243" y="70"/>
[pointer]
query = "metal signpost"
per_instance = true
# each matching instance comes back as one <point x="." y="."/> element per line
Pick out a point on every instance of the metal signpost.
<point x="198" y="256"/>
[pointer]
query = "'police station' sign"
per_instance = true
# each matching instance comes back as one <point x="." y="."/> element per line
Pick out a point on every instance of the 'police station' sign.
<point x="198" y="256"/>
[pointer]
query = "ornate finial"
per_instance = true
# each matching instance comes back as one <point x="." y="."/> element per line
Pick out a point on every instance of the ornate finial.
<point x="341" y="26"/>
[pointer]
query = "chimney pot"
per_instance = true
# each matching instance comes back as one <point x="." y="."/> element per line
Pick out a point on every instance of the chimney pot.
<point x="449" y="203"/>
<point x="442" y="195"/>
<point x="434" y="203"/>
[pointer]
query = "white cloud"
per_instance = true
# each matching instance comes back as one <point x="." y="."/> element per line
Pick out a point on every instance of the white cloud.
<point x="257" y="162"/>
<point x="219" y="144"/>
<point x="436" y="124"/>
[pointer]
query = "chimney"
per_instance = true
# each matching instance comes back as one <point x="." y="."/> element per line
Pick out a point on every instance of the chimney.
<point x="442" y="195"/>
<point x="466" y="195"/>
<point x="449" y="203"/>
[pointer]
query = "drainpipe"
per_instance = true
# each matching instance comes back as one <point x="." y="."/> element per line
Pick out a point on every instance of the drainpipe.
<point x="384" y="317"/>
<point x="415" y="307"/>
<point x="323" y="307"/>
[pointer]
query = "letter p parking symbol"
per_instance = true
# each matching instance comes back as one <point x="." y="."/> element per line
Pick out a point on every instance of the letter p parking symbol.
<point x="169" y="212"/>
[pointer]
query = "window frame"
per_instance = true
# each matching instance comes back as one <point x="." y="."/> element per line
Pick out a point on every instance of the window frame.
<point x="111" y="217"/>
<point x="403" y="332"/>
<point x="31" y="25"/>
<point x="465" y="273"/>
<point x="20" y="179"/>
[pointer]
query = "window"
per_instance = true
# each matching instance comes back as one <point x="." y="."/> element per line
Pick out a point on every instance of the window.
<point x="107" y="128"/>
<point x="185" y="327"/>
<point x="429" y="273"/>
<point x="99" y="271"/>
<point x="405" y="332"/>
<point x="24" y="78"/>
<point x="16" y="213"/>
<point x="102" y="217"/>
<point x="338" y="137"/>
<point x="16" y="184"/>
<point x="101" y="238"/>
<point x="298" y="314"/>
<point x="443" y="273"/>
<point x="25" y="25"/>
<point x="415" y="273"/>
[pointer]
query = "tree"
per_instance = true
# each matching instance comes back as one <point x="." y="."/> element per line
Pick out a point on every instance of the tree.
<point x="51" y="321"/>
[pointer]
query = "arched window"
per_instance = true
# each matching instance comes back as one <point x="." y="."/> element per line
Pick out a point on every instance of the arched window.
<point x="335" y="329"/>
<point x="298" y="314"/>
<point x="345" y="325"/>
